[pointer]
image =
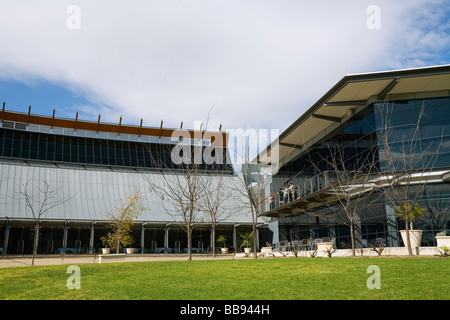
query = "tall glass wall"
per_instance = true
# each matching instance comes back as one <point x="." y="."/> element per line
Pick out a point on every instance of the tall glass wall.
<point x="19" y="238"/>
<point x="415" y="128"/>
<point x="419" y="129"/>
<point x="372" y="223"/>
<point x="356" y="142"/>
<point x="26" y="145"/>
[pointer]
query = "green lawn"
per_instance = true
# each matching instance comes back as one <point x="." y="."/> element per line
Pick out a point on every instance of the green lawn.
<point x="245" y="279"/>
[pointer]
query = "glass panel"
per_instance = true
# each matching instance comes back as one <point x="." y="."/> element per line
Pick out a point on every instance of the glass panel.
<point x="82" y="150"/>
<point x="133" y="154"/>
<point x="7" y="143"/>
<point x="78" y="240"/>
<point x="58" y="148"/>
<point x="34" y="140"/>
<point x="51" y="148"/>
<point x="435" y="129"/>
<point x="17" y="144"/>
<point x="66" y="149"/>
<point x="74" y="150"/>
<point x="97" y="151"/>
<point x="2" y="138"/>
<point x="112" y="152"/>
<point x="42" y="151"/>
<point x="119" y="153"/>
<point x="436" y="110"/>
<point x="89" y="151"/>
<point x="25" y="153"/>
<point x="105" y="153"/>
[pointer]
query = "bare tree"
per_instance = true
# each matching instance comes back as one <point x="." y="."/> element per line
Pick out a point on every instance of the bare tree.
<point x="180" y="193"/>
<point x="349" y="181"/>
<point x="39" y="202"/>
<point x="250" y="187"/>
<point x="216" y="202"/>
<point x="183" y="187"/>
<point x="404" y="169"/>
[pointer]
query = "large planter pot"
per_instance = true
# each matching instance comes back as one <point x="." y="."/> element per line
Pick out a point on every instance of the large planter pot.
<point x="248" y="250"/>
<point x="224" y="250"/>
<point x="443" y="241"/>
<point x="106" y="250"/>
<point x="415" y="236"/>
<point x="265" y="250"/>
<point x="324" y="246"/>
<point x="130" y="250"/>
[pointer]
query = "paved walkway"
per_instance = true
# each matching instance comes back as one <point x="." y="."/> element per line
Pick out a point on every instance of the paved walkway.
<point x="24" y="261"/>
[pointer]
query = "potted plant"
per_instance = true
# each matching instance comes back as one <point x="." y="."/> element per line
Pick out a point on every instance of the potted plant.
<point x="247" y="240"/>
<point x="442" y="239"/>
<point x="409" y="212"/>
<point x="122" y="222"/>
<point x="223" y="239"/>
<point x="106" y="241"/>
<point x="127" y="240"/>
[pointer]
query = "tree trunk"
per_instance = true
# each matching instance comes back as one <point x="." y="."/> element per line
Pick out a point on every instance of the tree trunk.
<point x="255" y="254"/>
<point x="352" y="237"/>
<point x="408" y="240"/>
<point x="189" y="233"/>
<point x="36" y="241"/>
<point x="214" y="239"/>
<point x="118" y="241"/>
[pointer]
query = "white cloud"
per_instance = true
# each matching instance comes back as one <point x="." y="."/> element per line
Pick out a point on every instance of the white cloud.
<point x="255" y="63"/>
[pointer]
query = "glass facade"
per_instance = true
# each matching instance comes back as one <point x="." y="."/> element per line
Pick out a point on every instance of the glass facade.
<point x="91" y="190"/>
<point x="19" y="144"/>
<point x="419" y="129"/>
<point x="357" y="142"/>
<point x="85" y="238"/>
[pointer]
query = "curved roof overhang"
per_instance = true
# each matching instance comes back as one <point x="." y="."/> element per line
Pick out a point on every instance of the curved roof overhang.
<point x="351" y="96"/>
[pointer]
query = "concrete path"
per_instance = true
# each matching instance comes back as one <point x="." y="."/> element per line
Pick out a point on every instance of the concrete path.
<point x="25" y="261"/>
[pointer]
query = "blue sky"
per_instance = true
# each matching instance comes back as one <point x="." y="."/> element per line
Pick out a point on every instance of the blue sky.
<point x="43" y="96"/>
<point x="257" y="64"/>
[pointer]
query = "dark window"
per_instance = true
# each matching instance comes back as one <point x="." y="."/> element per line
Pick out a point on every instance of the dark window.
<point x="97" y="151"/>
<point x="112" y="152"/>
<point x="89" y="151"/>
<point x="51" y="148"/>
<point x="7" y="143"/>
<point x="66" y="149"/>
<point x="105" y="155"/>
<point x="133" y="155"/>
<point x="82" y="150"/>
<point x="119" y="153"/>
<point x="74" y="149"/>
<point x="25" y="154"/>
<point x="34" y="145"/>
<point x="58" y="148"/>
<point x="16" y="144"/>
<point x="418" y="128"/>
<point x="42" y="151"/>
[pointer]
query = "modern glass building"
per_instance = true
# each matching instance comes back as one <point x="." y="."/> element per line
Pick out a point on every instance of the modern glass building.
<point x="90" y="167"/>
<point x="408" y="109"/>
<point x="75" y="172"/>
